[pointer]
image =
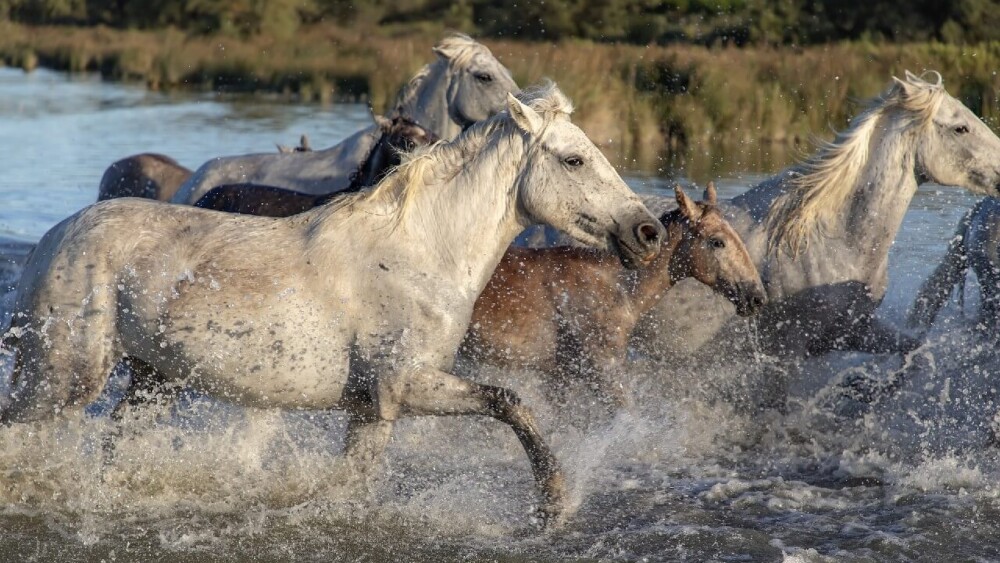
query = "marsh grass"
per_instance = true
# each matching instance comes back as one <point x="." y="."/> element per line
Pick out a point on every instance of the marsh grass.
<point x="636" y="101"/>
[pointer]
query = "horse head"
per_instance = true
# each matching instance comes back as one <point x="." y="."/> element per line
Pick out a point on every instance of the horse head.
<point x="954" y="147"/>
<point x="477" y="83"/>
<point x="710" y="251"/>
<point x="397" y="135"/>
<point x="566" y="182"/>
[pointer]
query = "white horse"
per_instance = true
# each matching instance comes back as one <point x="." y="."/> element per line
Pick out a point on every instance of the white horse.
<point x="976" y="245"/>
<point x="820" y="232"/>
<point x="359" y="304"/>
<point x="465" y="85"/>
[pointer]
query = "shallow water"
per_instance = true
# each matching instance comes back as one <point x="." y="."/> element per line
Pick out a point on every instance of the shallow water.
<point x="679" y="477"/>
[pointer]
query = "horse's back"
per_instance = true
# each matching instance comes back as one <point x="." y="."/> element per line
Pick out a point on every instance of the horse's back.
<point x="145" y="175"/>
<point x="254" y="199"/>
<point x="312" y="172"/>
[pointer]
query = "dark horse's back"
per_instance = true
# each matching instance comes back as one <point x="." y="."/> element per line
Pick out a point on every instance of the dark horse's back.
<point x="254" y="199"/>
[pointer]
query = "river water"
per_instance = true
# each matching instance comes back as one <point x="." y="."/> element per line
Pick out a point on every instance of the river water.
<point x="681" y="476"/>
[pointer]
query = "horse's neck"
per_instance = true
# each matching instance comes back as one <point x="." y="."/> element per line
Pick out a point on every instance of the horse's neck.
<point x="883" y="192"/>
<point x="861" y="232"/>
<point x="647" y="286"/>
<point x="428" y="105"/>
<point x="372" y="165"/>
<point x="464" y="225"/>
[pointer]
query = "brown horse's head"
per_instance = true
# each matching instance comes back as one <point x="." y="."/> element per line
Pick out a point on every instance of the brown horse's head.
<point x="711" y="252"/>
<point x="396" y="136"/>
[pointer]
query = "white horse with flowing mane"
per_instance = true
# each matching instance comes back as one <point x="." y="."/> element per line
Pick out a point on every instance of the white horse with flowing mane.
<point x="820" y="232"/>
<point x="359" y="304"/>
<point x="464" y="85"/>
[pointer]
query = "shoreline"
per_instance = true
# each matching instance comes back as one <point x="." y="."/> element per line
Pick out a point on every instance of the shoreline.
<point x="641" y="102"/>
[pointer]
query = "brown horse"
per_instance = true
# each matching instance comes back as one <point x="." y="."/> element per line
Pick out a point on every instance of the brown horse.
<point x="569" y="311"/>
<point x="398" y="135"/>
<point x="148" y="175"/>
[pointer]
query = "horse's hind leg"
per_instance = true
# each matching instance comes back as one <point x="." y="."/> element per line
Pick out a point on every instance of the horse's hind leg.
<point x="430" y="391"/>
<point x="146" y="386"/>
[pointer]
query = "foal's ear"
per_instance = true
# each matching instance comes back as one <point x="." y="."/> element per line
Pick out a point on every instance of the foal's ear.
<point x="526" y="118"/>
<point x="687" y="206"/>
<point x="383" y="122"/>
<point x="710" y="197"/>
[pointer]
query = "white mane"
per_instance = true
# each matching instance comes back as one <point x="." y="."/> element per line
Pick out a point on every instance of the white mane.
<point x="444" y="160"/>
<point x="830" y="176"/>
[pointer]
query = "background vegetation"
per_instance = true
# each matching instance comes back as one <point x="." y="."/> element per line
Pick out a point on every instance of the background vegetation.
<point x="647" y="76"/>
<point x="742" y="22"/>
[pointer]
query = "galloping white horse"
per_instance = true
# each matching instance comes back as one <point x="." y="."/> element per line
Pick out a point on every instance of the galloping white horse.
<point x="820" y="232"/>
<point x="359" y="304"/>
<point x="465" y="85"/>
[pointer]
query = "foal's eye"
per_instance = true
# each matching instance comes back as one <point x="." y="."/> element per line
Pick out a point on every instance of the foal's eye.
<point x="573" y="161"/>
<point x="483" y="77"/>
<point x="962" y="129"/>
<point x="717" y="243"/>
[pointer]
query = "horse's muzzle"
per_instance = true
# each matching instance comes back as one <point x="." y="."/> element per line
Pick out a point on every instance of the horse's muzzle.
<point x="750" y="298"/>
<point x="639" y="246"/>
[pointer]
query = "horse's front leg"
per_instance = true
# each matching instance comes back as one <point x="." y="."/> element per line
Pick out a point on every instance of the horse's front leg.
<point x="429" y="391"/>
<point x="367" y="437"/>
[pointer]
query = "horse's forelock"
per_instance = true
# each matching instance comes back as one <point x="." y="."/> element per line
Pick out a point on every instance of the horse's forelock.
<point x="548" y="100"/>
<point x="460" y="49"/>
<point x="921" y="97"/>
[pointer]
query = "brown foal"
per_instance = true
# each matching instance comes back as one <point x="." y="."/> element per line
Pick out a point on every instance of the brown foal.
<point x="568" y="311"/>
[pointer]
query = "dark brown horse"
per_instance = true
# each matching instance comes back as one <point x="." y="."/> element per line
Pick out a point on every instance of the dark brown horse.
<point x="148" y="175"/>
<point x="399" y="135"/>
<point x="569" y="311"/>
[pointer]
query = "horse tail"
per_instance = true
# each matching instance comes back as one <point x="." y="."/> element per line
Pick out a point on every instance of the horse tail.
<point x="937" y="289"/>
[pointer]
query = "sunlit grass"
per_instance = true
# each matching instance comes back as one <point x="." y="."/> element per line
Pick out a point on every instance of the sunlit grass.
<point x="636" y="101"/>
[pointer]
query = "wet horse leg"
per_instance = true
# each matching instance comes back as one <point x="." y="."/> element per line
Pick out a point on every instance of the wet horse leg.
<point x="430" y="391"/>
<point x="605" y="350"/>
<point x="367" y="437"/>
<point x="146" y="385"/>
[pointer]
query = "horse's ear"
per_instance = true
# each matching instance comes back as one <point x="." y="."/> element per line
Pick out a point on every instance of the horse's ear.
<point x="687" y="206"/>
<point x="282" y="149"/>
<point x="908" y="87"/>
<point x="710" y="197"/>
<point x="526" y="118"/>
<point x="382" y="122"/>
<point x="304" y="145"/>
<point x="445" y="50"/>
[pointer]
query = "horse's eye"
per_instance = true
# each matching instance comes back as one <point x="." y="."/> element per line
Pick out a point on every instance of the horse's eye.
<point x="573" y="161"/>
<point x="717" y="243"/>
<point x="962" y="129"/>
<point x="484" y="77"/>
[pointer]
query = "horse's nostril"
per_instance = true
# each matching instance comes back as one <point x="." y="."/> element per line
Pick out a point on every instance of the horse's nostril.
<point x="648" y="234"/>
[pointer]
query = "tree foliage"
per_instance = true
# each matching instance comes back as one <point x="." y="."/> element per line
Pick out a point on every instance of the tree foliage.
<point x="637" y="21"/>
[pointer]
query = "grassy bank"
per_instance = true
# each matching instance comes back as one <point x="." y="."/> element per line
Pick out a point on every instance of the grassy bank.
<point x="637" y="101"/>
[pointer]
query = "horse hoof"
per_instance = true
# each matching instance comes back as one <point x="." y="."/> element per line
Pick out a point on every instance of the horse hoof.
<point x="548" y="516"/>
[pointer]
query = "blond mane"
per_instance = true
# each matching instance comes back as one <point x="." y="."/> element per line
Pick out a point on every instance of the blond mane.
<point x="827" y="179"/>
<point x="444" y="160"/>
